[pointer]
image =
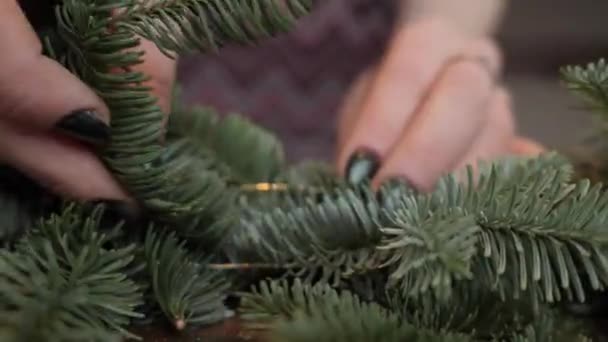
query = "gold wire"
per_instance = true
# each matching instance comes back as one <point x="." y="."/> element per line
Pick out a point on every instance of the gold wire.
<point x="265" y="187"/>
<point x="244" y="266"/>
<point x="277" y="187"/>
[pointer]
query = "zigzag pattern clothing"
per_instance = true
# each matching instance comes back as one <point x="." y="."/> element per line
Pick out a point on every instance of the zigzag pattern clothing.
<point x="294" y="84"/>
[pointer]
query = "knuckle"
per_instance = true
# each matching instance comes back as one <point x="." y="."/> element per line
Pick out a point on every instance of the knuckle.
<point x="489" y="50"/>
<point x="470" y="74"/>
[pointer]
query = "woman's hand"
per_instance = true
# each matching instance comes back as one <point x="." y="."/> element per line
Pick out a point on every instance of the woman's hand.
<point x="432" y="105"/>
<point x="49" y="119"/>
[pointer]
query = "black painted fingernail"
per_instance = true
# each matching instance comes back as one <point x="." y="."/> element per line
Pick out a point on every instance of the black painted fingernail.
<point x="362" y="165"/>
<point x="116" y="210"/>
<point x="84" y="125"/>
<point x="397" y="181"/>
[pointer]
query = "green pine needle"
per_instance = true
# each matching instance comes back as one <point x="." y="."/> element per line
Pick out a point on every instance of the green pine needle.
<point x="553" y="327"/>
<point x="331" y="239"/>
<point x="472" y="310"/>
<point x="206" y="25"/>
<point x="240" y="151"/>
<point x="590" y="83"/>
<point x="186" y="291"/>
<point x="63" y="279"/>
<point x="299" y="312"/>
<point x="519" y="238"/>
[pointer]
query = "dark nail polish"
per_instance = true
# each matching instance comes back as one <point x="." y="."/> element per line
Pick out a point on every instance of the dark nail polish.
<point x="398" y="182"/>
<point x="362" y="166"/>
<point x="84" y="125"/>
<point x="116" y="211"/>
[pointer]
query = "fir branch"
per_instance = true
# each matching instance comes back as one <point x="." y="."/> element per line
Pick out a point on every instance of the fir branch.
<point x="472" y="309"/>
<point x="168" y="181"/>
<point x="77" y="31"/>
<point x="172" y="187"/>
<point x="186" y="291"/>
<point x="182" y="26"/>
<point x="522" y="233"/>
<point x="431" y="252"/>
<point x="270" y="300"/>
<point x="553" y="327"/>
<point x="311" y="174"/>
<point x="62" y="282"/>
<point x="590" y="83"/>
<point x="240" y="151"/>
<point x="333" y="238"/>
<point x="253" y="154"/>
<point x="319" y="313"/>
<point x="524" y="238"/>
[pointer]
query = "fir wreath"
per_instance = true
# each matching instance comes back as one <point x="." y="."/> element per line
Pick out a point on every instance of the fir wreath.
<point x="312" y="258"/>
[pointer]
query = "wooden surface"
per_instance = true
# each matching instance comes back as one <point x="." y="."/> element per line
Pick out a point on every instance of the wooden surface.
<point x="230" y="330"/>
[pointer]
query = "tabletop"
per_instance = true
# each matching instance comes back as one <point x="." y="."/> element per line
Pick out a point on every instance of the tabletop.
<point x="232" y="330"/>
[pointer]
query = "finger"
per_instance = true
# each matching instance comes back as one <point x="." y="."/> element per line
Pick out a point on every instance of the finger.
<point x="497" y="133"/>
<point x="526" y="147"/>
<point x="444" y="130"/>
<point x="414" y="58"/>
<point x="38" y="92"/>
<point x="349" y="111"/>
<point x="495" y="138"/>
<point x="61" y="165"/>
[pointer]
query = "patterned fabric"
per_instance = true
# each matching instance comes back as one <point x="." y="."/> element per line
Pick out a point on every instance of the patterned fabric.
<point x="294" y="84"/>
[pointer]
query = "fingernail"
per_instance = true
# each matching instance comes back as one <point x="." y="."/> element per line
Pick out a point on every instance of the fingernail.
<point x="362" y="165"/>
<point x="84" y="125"/>
<point x="396" y="186"/>
<point x="397" y="182"/>
<point x="117" y="210"/>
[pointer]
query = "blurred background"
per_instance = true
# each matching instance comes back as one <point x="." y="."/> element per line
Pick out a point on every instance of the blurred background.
<point x="539" y="37"/>
<point x="293" y="84"/>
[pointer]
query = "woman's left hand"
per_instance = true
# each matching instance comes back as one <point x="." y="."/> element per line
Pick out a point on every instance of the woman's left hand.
<point x="433" y="105"/>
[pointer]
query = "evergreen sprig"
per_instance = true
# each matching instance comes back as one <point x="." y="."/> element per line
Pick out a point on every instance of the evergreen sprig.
<point x="527" y="237"/>
<point x="221" y="142"/>
<point x="61" y="283"/>
<point x="195" y="25"/>
<point x="473" y="309"/>
<point x="589" y="82"/>
<point x="169" y="185"/>
<point x="330" y="239"/>
<point x="521" y="234"/>
<point x="302" y="312"/>
<point x="555" y="328"/>
<point x="187" y="292"/>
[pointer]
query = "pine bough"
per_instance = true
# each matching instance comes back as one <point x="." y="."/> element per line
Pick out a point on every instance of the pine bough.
<point x="495" y="257"/>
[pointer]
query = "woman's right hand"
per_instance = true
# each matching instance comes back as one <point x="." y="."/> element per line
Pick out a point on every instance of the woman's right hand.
<point x="49" y="119"/>
<point x="433" y="105"/>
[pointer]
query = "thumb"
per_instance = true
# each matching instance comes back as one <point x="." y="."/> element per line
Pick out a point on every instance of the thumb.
<point x="45" y="96"/>
<point x="38" y="92"/>
<point x="526" y="147"/>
